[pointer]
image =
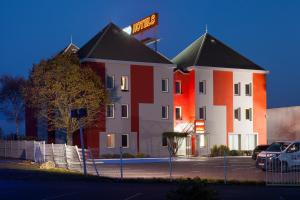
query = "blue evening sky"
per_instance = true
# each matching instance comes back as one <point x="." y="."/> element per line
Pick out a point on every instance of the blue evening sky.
<point x="267" y="32"/>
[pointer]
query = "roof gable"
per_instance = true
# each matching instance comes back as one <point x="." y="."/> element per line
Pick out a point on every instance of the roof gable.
<point x="209" y="51"/>
<point x="114" y="44"/>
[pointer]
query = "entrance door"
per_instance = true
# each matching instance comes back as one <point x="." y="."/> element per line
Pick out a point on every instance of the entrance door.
<point x="193" y="141"/>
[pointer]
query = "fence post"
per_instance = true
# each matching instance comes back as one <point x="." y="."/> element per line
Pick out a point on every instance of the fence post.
<point x="78" y="156"/>
<point x="66" y="156"/>
<point x="170" y="165"/>
<point x="52" y="146"/>
<point x="121" y="162"/>
<point x="225" y="167"/>
<point x="44" y="151"/>
<point x="92" y="157"/>
<point x="5" y="149"/>
<point x="25" y="149"/>
<point x="10" y="155"/>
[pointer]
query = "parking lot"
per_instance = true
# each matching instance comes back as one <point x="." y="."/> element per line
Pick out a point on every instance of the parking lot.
<point x="237" y="168"/>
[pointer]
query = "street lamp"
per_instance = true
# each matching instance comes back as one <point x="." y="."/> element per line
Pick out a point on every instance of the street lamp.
<point x="78" y="114"/>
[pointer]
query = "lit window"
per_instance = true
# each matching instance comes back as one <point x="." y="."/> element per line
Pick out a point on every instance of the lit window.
<point x="110" y="140"/>
<point x="110" y="110"/>
<point x="165" y="112"/>
<point x="237" y="89"/>
<point x="178" y="113"/>
<point x="237" y="114"/>
<point x="164" y="85"/>
<point x="202" y="87"/>
<point x="164" y="141"/>
<point x="124" y="111"/>
<point x="202" y="112"/>
<point x="125" y="141"/>
<point x="110" y="82"/>
<point x="124" y="83"/>
<point x="249" y="114"/>
<point x="178" y="87"/>
<point x="248" y="89"/>
<point x="202" y="140"/>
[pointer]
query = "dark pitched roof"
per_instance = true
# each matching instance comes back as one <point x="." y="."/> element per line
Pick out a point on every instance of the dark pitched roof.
<point x="114" y="44"/>
<point x="208" y="51"/>
<point x="71" y="48"/>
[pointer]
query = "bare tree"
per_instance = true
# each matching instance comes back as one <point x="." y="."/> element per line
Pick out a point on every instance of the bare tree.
<point x="174" y="141"/>
<point x="57" y="86"/>
<point x="11" y="99"/>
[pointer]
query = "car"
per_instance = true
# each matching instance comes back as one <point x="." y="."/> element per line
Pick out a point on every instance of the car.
<point x="287" y="160"/>
<point x="258" y="149"/>
<point x="273" y="150"/>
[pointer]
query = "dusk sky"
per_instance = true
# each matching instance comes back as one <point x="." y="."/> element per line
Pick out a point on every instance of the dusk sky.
<point x="267" y="32"/>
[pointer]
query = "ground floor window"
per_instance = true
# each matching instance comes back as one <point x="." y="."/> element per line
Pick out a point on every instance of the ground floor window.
<point x="110" y="140"/>
<point x="242" y="141"/>
<point x="125" y="140"/>
<point x="202" y="140"/>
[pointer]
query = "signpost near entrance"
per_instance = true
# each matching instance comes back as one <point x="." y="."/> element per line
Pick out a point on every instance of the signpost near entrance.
<point x="78" y="114"/>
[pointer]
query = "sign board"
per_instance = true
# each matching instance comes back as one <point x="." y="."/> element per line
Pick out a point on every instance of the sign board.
<point x="199" y="126"/>
<point x="142" y="25"/>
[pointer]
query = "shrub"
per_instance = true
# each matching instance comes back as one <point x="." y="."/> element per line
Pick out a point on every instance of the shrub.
<point x="141" y="155"/>
<point x="190" y="190"/>
<point x="219" y="150"/>
<point x="128" y="155"/>
<point x="235" y="153"/>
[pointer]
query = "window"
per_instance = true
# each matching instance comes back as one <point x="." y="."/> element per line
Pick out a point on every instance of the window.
<point x="202" y="112"/>
<point x="110" y="110"/>
<point x="234" y="141"/>
<point x="125" y="142"/>
<point x="124" y="111"/>
<point x="248" y="89"/>
<point x="202" y="140"/>
<point x="165" y="112"/>
<point x="202" y="87"/>
<point x="164" y="85"/>
<point x="110" y="82"/>
<point x="178" y="87"/>
<point x="249" y="114"/>
<point x="178" y="113"/>
<point x="124" y="83"/>
<point x="240" y="142"/>
<point x="110" y="140"/>
<point x="293" y="148"/>
<point x="237" y="87"/>
<point x="164" y="141"/>
<point x="237" y="114"/>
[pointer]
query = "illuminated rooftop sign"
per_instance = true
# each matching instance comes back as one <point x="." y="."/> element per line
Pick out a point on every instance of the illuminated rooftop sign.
<point x="142" y="25"/>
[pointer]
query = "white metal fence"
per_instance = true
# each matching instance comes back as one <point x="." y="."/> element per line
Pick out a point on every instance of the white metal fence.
<point x="282" y="169"/>
<point x="64" y="156"/>
<point x="22" y="149"/>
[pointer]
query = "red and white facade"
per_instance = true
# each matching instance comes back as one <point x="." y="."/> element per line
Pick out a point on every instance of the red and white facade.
<point x="143" y="126"/>
<point x="216" y="104"/>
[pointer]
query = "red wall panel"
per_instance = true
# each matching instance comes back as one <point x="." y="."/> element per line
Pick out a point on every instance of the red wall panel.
<point x="92" y="133"/>
<point x="142" y="91"/>
<point x="260" y="107"/>
<point x="223" y="95"/>
<point x="186" y="100"/>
